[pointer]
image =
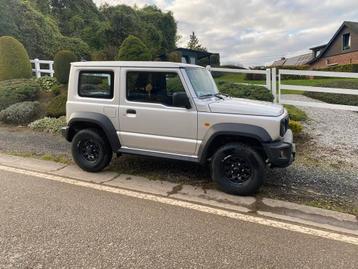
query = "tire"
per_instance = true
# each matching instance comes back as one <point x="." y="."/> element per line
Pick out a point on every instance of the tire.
<point x="91" y="150"/>
<point x="238" y="169"/>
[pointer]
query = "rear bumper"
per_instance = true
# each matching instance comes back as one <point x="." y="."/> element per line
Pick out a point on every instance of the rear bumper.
<point x="281" y="153"/>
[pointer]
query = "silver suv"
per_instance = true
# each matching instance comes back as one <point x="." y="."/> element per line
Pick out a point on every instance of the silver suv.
<point x="175" y="111"/>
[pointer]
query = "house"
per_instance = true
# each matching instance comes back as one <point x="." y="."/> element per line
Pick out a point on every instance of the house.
<point x="340" y="50"/>
<point x="196" y="56"/>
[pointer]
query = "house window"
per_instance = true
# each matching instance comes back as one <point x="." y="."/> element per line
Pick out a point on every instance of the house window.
<point x="346" y="41"/>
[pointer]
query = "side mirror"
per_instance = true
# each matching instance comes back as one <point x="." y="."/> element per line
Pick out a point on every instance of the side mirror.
<point x="180" y="99"/>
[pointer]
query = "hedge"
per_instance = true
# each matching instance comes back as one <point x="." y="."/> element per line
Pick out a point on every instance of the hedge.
<point x="20" y="113"/>
<point x="48" y="125"/>
<point x="17" y="90"/>
<point x="133" y="49"/>
<point x="14" y="60"/>
<point x="342" y="68"/>
<point x="333" y="98"/>
<point x="245" y="91"/>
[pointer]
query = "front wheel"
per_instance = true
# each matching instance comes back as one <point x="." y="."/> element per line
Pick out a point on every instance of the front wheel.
<point x="91" y="151"/>
<point x="238" y="169"/>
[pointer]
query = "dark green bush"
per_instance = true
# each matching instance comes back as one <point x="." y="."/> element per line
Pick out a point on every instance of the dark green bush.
<point x="20" y="113"/>
<point x="174" y="56"/>
<point x="14" y="60"/>
<point x="245" y="91"/>
<point x="342" y="68"/>
<point x="57" y="107"/>
<point x="285" y="77"/>
<point x="62" y="65"/>
<point x="17" y="90"/>
<point x="133" y="49"/>
<point x="333" y="98"/>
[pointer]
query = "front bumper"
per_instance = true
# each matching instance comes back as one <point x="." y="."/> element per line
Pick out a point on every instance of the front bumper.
<point x="281" y="153"/>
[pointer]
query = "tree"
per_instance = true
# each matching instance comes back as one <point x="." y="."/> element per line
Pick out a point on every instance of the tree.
<point x="133" y="49"/>
<point x="62" y="65"/>
<point x="194" y="43"/>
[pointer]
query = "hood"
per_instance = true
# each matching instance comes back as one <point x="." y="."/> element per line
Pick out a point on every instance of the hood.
<point x="246" y="107"/>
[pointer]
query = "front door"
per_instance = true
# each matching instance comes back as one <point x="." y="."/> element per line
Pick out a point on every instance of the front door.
<point x="150" y="116"/>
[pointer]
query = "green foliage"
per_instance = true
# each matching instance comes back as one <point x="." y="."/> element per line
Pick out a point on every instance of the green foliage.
<point x="194" y="43"/>
<point x="342" y="68"/>
<point x="47" y="83"/>
<point x="133" y="49"/>
<point x="333" y="98"/>
<point x="14" y="60"/>
<point x="48" y="125"/>
<point x="62" y="65"/>
<point x="57" y="106"/>
<point x="295" y="113"/>
<point x="18" y="90"/>
<point x="245" y="91"/>
<point x="76" y="45"/>
<point x="295" y="126"/>
<point x="20" y="113"/>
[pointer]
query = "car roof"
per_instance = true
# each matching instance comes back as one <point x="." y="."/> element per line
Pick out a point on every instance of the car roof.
<point x="131" y="64"/>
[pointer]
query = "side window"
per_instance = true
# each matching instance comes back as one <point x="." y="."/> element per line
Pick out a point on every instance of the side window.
<point x="154" y="87"/>
<point x="96" y="84"/>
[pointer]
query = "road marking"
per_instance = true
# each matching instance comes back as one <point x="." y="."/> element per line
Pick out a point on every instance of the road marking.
<point x="202" y="208"/>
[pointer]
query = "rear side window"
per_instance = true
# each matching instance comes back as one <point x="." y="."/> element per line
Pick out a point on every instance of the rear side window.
<point x="96" y="84"/>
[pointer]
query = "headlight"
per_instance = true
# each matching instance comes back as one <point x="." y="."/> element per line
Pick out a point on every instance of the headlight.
<point x="284" y="126"/>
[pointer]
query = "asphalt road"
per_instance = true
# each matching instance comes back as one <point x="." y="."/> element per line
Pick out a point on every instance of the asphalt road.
<point x="51" y="224"/>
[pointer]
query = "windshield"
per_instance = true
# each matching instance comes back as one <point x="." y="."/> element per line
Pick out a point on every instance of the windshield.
<point x="202" y="82"/>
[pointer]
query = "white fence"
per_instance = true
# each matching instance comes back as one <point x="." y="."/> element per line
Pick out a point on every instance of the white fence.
<point x="266" y="73"/>
<point x="282" y="86"/>
<point x="37" y="67"/>
<point x="275" y="85"/>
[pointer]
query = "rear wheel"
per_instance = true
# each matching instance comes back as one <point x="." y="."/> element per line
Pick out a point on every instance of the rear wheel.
<point x="238" y="169"/>
<point x="91" y="150"/>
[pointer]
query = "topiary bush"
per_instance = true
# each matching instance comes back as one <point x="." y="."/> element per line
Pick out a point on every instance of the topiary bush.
<point x="57" y="107"/>
<point x="47" y="83"/>
<point x="17" y="90"/>
<point x="245" y="91"/>
<point x="14" y="60"/>
<point x="48" y="125"/>
<point x="133" y="49"/>
<point x="62" y="65"/>
<point x="20" y="113"/>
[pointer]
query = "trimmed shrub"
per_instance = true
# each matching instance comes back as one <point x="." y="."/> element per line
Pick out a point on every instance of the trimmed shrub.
<point x="57" y="107"/>
<point x="20" y="113"/>
<point x="48" y="125"/>
<point x="47" y="83"/>
<point x="62" y="65"/>
<point x="14" y="60"/>
<point x="295" y="113"/>
<point x="16" y="91"/>
<point x="245" y="91"/>
<point x="75" y="45"/>
<point x="133" y="49"/>
<point x="295" y="126"/>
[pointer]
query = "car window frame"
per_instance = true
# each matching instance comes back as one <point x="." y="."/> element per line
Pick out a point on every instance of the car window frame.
<point x="159" y="70"/>
<point x="110" y="72"/>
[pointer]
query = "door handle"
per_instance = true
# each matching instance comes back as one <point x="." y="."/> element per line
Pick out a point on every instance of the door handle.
<point x="131" y="111"/>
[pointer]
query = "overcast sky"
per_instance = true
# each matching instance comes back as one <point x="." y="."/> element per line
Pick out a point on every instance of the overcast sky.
<point x="256" y="32"/>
